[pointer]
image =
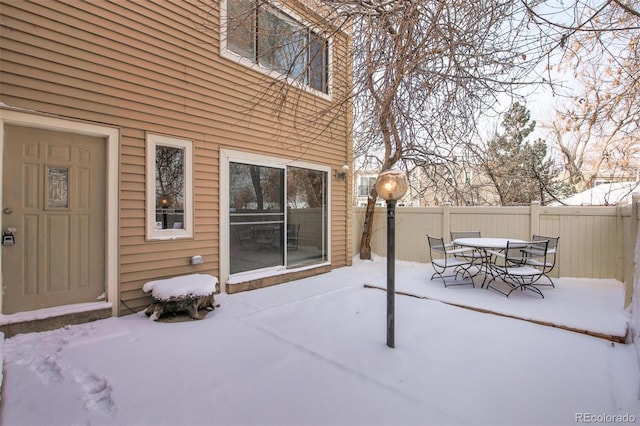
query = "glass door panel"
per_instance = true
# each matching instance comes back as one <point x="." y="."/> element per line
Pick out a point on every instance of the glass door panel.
<point x="256" y="213"/>
<point x="306" y="216"/>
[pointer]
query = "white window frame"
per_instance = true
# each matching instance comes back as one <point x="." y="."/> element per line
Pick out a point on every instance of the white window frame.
<point x="365" y="178"/>
<point x="152" y="233"/>
<point x="228" y="54"/>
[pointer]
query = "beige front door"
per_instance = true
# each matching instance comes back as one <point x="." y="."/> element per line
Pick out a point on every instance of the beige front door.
<point x="54" y="196"/>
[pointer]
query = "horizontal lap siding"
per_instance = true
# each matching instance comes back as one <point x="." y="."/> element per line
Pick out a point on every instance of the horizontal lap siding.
<point x="154" y="67"/>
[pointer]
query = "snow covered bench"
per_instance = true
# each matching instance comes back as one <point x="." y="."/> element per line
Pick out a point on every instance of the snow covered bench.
<point x="186" y="293"/>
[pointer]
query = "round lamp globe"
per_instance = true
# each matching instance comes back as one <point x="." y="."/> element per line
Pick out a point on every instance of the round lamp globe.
<point x="391" y="185"/>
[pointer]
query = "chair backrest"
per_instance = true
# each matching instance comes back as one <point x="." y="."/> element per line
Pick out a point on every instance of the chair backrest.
<point x="465" y="234"/>
<point x="436" y="245"/>
<point x="519" y="253"/>
<point x="553" y="241"/>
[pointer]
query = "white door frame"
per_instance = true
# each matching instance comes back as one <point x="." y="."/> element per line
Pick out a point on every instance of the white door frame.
<point x="229" y="155"/>
<point x="112" y="136"/>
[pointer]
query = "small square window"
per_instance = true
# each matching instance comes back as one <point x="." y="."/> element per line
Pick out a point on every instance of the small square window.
<point x="169" y="188"/>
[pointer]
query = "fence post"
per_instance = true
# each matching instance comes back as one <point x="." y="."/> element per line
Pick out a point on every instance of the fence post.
<point x="535" y="218"/>
<point x="621" y="268"/>
<point x="446" y="220"/>
<point x="630" y="287"/>
<point x="635" y="199"/>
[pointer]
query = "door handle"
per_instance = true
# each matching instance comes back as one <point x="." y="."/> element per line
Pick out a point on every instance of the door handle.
<point x="7" y="210"/>
<point x="8" y="236"/>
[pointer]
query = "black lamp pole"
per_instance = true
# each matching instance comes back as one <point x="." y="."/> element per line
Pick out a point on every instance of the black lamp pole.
<point x="391" y="271"/>
<point x="391" y="185"/>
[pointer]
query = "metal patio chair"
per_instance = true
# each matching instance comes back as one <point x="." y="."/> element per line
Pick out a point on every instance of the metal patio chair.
<point x="511" y="266"/>
<point x="443" y="258"/>
<point x="476" y="256"/>
<point x="547" y="264"/>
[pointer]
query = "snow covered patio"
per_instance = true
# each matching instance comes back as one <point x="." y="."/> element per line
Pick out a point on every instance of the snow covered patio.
<point x="313" y="352"/>
<point x="592" y="306"/>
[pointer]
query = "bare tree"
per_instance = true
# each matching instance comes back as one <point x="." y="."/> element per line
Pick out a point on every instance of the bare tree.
<point x="424" y="70"/>
<point x="597" y="127"/>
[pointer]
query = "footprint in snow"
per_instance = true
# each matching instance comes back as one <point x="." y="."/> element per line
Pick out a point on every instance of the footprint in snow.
<point x="98" y="391"/>
<point x="48" y="369"/>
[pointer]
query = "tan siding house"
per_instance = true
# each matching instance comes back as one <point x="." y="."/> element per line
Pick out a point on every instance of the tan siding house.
<point x="203" y="149"/>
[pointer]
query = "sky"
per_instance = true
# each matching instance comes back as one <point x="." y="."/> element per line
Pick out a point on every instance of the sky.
<point x="313" y="352"/>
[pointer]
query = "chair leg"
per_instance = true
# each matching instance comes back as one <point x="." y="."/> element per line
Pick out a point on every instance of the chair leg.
<point x="514" y="286"/>
<point x="455" y="276"/>
<point x="523" y="287"/>
<point x="439" y="275"/>
<point x="496" y="289"/>
<point x="533" y="288"/>
<point x="551" y="283"/>
<point x="462" y="271"/>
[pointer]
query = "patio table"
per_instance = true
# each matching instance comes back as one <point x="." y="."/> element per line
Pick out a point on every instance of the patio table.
<point x="483" y="244"/>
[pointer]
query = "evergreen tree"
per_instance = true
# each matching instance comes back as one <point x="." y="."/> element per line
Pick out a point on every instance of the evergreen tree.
<point x="518" y="169"/>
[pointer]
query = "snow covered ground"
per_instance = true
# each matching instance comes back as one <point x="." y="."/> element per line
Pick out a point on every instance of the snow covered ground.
<point x="312" y="352"/>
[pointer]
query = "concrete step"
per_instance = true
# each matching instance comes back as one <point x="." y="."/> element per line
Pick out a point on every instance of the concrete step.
<point x="52" y="318"/>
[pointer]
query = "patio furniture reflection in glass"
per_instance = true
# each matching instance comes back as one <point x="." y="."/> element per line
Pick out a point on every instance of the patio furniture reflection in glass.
<point x="266" y="236"/>
<point x="292" y="236"/>
<point x="246" y="236"/>
<point x="511" y="267"/>
<point x="443" y="258"/>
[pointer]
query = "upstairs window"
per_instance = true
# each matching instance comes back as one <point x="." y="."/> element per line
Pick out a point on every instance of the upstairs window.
<point x="264" y="35"/>
<point x="366" y="185"/>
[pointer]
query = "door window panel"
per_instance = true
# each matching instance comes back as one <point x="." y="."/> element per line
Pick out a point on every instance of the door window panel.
<point x="58" y="187"/>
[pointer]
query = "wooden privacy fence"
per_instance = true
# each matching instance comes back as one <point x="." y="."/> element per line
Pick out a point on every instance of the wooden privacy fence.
<point x="595" y="242"/>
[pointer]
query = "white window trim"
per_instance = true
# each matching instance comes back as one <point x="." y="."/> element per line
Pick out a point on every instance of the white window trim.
<point x="228" y="54"/>
<point x="228" y="156"/>
<point x="168" y="234"/>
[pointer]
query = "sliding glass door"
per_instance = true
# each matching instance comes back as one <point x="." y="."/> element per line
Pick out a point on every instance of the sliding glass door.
<point x="306" y="216"/>
<point x="256" y="216"/>
<point x="269" y="230"/>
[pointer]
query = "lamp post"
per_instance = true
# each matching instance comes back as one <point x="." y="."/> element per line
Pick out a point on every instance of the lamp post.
<point x="390" y="186"/>
<point x="165" y="203"/>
